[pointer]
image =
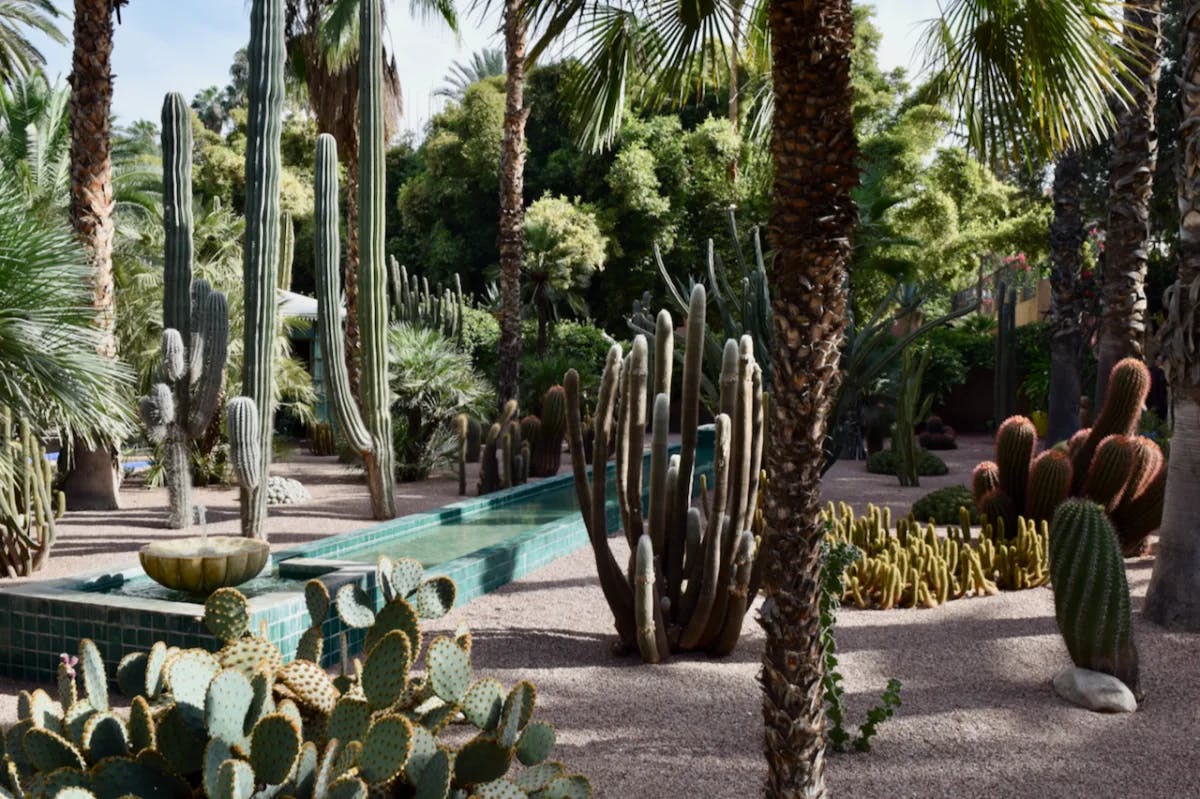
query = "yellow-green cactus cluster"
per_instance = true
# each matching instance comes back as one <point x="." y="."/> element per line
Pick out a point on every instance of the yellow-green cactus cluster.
<point x="915" y="566"/>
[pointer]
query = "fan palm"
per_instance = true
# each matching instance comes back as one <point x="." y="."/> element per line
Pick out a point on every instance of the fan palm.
<point x="486" y="63"/>
<point x="19" y="58"/>
<point x="50" y="370"/>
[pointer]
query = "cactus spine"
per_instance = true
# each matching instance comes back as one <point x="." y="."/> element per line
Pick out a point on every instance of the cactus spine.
<point x="691" y="579"/>
<point x="195" y="340"/>
<point x="369" y="431"/>
<point x="1091" y="597"/>
<point x="260" y="265"/>
<point x="28" y="503"/>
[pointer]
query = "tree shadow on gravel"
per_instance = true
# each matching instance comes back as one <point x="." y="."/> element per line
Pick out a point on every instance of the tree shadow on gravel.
<point x="516" y="648"/>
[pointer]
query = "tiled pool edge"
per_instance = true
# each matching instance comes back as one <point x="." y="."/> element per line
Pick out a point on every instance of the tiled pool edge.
<point x="39" y="620"/>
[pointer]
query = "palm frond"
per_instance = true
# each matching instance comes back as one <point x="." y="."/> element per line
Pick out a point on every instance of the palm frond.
<point x="19" y="57"/>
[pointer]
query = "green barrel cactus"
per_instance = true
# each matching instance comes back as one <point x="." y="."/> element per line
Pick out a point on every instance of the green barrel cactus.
<point x="1091" y="596"/>
<point x="693" y="574"/>
<point x="195" y="339"/>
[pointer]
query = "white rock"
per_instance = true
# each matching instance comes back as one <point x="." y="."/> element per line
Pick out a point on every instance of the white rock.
<point x="1094" y="690"/>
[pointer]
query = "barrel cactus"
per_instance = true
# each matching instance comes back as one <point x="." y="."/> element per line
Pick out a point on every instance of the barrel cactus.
<point x="695" y="571"/>
<point x="239" y="722"/>
<point x="1107" y="463"/>
<point x="195" y="338"/>
<point x="1091" y="596"/>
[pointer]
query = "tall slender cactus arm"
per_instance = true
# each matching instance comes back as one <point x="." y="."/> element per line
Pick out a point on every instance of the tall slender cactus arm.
<point x="329" y="323"/>
<point x="583" y="490"/>
<point x="645" y="599"/>
<point x="212" y="322"/>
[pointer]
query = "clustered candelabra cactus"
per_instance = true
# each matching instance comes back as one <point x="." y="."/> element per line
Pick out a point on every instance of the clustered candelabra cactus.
<point x="28" y="503"/>
<point x="694" y="570"/>
<point x="915" y="567"/>
<point x="1091" y="597"/>
<point x="1106" y="463"/>
<point x="369" y="430"/>
<point x="420" y="307"/>
<point x="240" y="723"/>
<point x="504" y="459"/>
<point x="195" y="339"/>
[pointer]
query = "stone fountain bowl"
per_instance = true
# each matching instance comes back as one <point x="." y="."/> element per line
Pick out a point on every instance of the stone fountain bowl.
<point x="202" y="565"/>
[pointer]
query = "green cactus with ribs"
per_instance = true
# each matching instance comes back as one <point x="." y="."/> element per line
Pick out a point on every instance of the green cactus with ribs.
<point x="505" y="454"/>
<point x="1107" y="463"/>
<point x="239" y="723"/>
<point x="1091" y="596"/>
<point x="195" y="338"/>
<point x="366" y="423"/>
<point x="694" y="571"/>
<point x="29" y="505"/>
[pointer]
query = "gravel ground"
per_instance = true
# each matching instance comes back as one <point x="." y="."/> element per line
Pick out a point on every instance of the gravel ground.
<point x="979" y="717"/>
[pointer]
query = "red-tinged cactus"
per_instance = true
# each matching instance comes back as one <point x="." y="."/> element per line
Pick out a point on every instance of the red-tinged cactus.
<point x="1109" y="472"/>
<point x="1000" y="510"/>
<point x="1139" y="516"/>
<point x="1049" y="484"/>
<point x="1148" y="461"/>
<point x="1128" y="385"/>
<point x="1076" y="441"/>
<point x="985" y="478"/>
<point x="1015" y="442"/>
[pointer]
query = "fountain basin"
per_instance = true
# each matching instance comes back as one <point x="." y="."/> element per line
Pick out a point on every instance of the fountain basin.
<point x="201" y="565"/>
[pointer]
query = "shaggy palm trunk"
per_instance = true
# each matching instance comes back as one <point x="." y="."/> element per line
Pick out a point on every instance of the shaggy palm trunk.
<point x="94" y="479"/>
<point x="1130" y="181"/>
<point x="813" y="217"/>
<point x="512" y="202"/>
<point x="1173" y="598"/>
<point x="1066" y="261"/>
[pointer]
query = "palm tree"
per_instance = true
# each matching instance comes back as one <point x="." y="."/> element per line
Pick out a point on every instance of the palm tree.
<point x="1131" y="179"/>
<point x="51" y="369"/>
<point x="322" y="44"/>
<point x="485" y="63"/>
<point x="18" y="57"/>
<point x="1173" y="598"/>
<point x="94" y="475"/>
<point x="512" y="201"/>
<point x="34" y="141"/>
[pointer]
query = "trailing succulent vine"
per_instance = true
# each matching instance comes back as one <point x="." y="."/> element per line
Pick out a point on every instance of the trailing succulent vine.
<point x="239" y="723"/>
<point x="694" y="571"/>
<point x="1106" y="463"/>
<point x="195" y="337"/>
<point x="835" y="559"/>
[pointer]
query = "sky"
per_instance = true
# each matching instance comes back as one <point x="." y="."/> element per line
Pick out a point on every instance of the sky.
<point x="175" y="45"/>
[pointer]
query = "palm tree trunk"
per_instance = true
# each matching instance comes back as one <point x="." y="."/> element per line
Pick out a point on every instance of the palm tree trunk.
<point x="1173" y="598"/>
<point x="1066" y="340"/>
<point x="813" y="217"/>
<point x="512" y="202"/>
<point x="94" y="478"/>
<point x="1131" y="179"/>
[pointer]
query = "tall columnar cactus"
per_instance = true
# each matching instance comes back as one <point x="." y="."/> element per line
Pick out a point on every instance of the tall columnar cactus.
<point x="195" y="340"/>
<point x="910" y="411"/>
<point x="260" y="264"/>
<point x="1004" y="388"/>
<point x="1091" y="597"/>
<point x="692" y="575"/>
<point x="1125" y="473"/>
<point x="417" y="305"/>
<point x="287" y="251"/>
<point x="28" y="503"/>
<point x="504" y="459"/>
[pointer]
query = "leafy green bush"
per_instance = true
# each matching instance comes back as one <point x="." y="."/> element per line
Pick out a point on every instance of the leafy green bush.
<point x="942" y="505"/>
<point x="481" y="340"/>
<point x="1033" y="363"/>
<point x="887" y="462"/>
<point x="955" y="351"/>
<point x="432" y="381"/>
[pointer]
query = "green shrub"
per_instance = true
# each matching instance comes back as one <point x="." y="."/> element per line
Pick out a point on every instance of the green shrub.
<point x="942" y="506"/>
<point x="886" y="462"/>
<point x="432" y="381"/>
<point x="481" y="340"/>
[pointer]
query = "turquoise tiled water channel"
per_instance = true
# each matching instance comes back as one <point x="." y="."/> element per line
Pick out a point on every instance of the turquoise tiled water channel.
<point x="481" y="542"/>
